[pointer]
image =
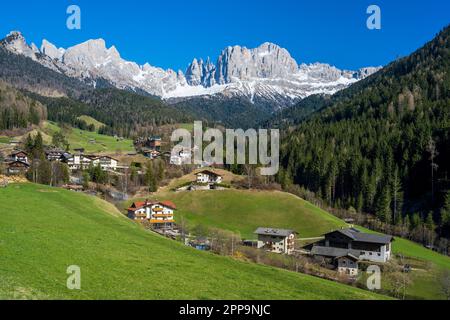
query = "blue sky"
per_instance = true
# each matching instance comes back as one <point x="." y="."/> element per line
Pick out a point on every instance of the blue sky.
<point x="169" y="33"/>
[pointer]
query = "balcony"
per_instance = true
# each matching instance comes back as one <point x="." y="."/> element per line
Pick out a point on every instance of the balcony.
<point x="161" y="221"/>
<point x="162" y="215"/>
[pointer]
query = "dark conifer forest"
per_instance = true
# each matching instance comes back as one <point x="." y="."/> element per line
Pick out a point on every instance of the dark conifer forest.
<point x="382" y="146"/>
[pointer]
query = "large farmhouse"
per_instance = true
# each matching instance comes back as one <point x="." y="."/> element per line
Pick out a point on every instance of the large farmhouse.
<point x="364" y="246"/>
<point x="57" y="155"/>
<point x="105" y="162"/>
<point x="17" y="167"/>
<point x="80" y="162"/>
<point x="276" y="240"/>
<point x="21" y="156"/>
<point x="160" y="214"/>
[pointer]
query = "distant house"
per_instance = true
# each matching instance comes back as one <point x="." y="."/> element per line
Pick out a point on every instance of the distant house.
<point x="208" y="176"/>
<point x="348" y="265"/>
<point x="105" y="162"/>
<point x="79" y="162"/>
<point x="17" y="167"/>
<point x="152" y="154"/>
<point x="364" y="246"/>
<point x="79" y="150"/>
<point x="155" y="143"/>
<point x="160" y="214"/>
<point x="56" y="155"/>
<point x="276" y="240"/>
<point x="21" y="156"/>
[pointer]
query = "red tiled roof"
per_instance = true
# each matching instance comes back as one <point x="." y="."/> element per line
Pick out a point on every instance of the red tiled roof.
<point x="169" y="204"/>
<point x="140" y="204"/>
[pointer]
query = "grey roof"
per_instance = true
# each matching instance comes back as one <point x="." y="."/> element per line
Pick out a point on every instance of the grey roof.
<point x="334" y="252"/>
<point x="274" y="232"/>
<point x="356" y="235"/>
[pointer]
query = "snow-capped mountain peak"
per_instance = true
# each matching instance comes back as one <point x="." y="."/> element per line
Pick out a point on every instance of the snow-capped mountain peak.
<point x="267" y="73"/>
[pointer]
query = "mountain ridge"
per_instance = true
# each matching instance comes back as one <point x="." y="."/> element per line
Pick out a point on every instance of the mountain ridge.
<point x="266" y="73"/>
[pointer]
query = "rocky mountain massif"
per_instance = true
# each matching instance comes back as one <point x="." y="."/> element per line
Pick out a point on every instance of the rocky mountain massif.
<point x="266" y="75"/>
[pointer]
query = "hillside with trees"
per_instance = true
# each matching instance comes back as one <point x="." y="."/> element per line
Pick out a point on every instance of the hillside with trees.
<point x="124" y="113"/>
<point x="383" y="145"/>
<point x="17" y="110"/>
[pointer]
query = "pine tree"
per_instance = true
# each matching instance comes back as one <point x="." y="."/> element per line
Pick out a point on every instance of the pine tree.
<point x="150" y="178"/>
<point x="397" y="197"/>
<point x="383" y="205"/>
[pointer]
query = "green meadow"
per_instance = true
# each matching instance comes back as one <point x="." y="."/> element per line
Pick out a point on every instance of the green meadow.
<point x="242" y="211"/>
<point x="45" y="230"/>
<point x="92" y="142"/>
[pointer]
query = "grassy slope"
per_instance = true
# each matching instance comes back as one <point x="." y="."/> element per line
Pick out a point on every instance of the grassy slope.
<point x="44" y="230"/>
<point x="80" y="139"/>
<point x="244" y="211"/>
<point x="89" y="120"/>
<point x="228" y="178"/>
<point x="426" y="280"/>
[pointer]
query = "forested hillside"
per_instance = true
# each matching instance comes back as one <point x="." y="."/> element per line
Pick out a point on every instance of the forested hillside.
<point x="24" y="73"/>
<point x="236" y="112"/>
<point x="383" y="146"/>
<point x="17" y="110"/>
<point x="297" y="113"/>
<point x="124" y="113"/>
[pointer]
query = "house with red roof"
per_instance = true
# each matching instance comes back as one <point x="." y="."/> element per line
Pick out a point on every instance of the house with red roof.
<point x="160" y="214"/>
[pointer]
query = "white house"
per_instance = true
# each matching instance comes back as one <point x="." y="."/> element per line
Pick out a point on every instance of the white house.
<point x="276" y="240"/>
<point x="78" y="162"/>
<point x="364" y="246"/>
<point x="160" y="214"/>
<point x="105" y="162"/>
<point x="21" y="156"/>
<point x="208" y="176"/>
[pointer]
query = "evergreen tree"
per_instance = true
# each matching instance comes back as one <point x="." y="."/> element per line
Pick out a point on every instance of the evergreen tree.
<point x="383" y="205"/>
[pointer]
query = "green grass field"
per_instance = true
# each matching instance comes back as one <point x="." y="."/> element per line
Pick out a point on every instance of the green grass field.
<point x="89" y="120"/>
<point x="82" y="139"/>
<point x="44" y="230"/>
<point x="429" y="264"/>
<point x="4" y="140"/>
<point x="244" y="211"/>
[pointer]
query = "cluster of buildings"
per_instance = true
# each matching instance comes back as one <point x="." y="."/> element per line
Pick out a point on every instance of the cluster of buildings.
<point x="18" y="162"/>
<point x="81" y="161"/>
<point x="344" y="248"/>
